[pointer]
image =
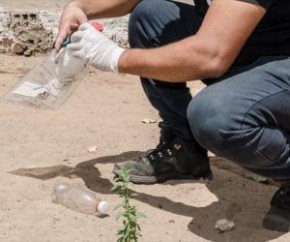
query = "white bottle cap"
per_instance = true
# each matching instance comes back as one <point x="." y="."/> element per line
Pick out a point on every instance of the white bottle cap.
<point x="103" y="207"/>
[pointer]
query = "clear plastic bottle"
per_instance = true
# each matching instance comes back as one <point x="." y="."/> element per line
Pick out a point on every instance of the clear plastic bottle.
<point x="67" y="67"/>
<point x="79" y="199"/>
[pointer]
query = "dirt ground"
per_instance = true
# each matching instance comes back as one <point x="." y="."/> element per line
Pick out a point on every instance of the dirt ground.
<point x="41" y="147"/>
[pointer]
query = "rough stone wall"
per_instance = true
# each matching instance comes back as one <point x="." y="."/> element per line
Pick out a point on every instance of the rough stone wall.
<point x="23" y="32"/>
<point x="117" y="30"/>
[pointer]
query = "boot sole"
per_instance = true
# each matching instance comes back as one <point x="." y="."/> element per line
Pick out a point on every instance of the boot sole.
<point x="165" y="177"/>
<point x="277" y="219"/>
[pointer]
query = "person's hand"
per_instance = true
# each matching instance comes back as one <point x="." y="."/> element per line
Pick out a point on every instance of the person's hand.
<point x="72" y="17"/>
<point x="95" y="48"/>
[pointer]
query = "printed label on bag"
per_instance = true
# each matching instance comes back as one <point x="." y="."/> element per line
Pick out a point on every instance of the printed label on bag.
<point x="29" y="89"/>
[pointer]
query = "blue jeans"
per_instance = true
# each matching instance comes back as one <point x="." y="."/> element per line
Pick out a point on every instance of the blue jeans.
<point x="155" y="23"/>
<point x="243" y="116"/>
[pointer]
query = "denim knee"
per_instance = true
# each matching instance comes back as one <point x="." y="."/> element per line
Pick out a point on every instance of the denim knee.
<point x="139" y="21"/>
<point x="216" y="124"/>
<point x="208" y="122"/>
<point x="228" y="129"/>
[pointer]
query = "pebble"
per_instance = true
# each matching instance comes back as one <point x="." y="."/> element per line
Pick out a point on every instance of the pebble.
<point x="224" y="225"/>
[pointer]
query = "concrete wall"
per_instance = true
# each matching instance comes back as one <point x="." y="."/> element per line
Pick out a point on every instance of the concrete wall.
<point x="27" y="32"/>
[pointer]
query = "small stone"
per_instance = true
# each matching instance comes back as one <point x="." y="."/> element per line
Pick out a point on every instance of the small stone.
<point x="92" y="149"/>
<point x="224" y="225"/>
<point x="149" y="121"/>
<point x="18" y="49"/>
<point x="28" y="53"/>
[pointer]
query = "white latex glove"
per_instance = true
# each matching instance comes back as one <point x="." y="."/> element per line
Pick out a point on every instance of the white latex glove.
<point x="95" y="48"/>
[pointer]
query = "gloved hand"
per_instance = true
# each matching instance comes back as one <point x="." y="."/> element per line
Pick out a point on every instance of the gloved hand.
<point x="95" y="48"/>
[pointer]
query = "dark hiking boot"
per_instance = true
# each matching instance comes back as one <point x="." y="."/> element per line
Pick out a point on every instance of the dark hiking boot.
<point x="278" y="217"/>
<point x="177" y="159"/>
<point x="166" y="137"/>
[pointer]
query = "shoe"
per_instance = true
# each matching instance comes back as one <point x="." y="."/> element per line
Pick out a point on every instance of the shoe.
<point x="177" y="159"/>
<point x="166" y="136"/>
<point x="278" y="217"/>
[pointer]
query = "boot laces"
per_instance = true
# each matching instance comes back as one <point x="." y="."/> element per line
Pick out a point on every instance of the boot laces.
<point x="159" y="153"/>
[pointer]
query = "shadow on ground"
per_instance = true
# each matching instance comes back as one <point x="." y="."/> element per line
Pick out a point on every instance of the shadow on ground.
<point x="248" y="227"/>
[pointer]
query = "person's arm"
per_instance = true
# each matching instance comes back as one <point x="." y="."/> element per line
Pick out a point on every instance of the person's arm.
<point x="105" y="8"/>
<point x="77" y="12"/>
<point x="225" y="29"/>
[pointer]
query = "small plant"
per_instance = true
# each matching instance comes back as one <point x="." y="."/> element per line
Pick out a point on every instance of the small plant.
<point x="131" y="230"/>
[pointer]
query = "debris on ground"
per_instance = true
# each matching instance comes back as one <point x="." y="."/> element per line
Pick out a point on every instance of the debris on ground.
<point x="224" y="225"/>
<point x="93" y="149"/>
<point x="257" y="178"/>
<point x="149" y="121"/>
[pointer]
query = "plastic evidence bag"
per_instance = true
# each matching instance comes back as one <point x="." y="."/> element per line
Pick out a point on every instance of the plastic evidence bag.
<point x="49" y="84"/>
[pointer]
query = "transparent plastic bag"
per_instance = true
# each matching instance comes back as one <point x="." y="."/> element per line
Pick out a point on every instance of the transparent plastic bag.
<point x="49" y="84"/>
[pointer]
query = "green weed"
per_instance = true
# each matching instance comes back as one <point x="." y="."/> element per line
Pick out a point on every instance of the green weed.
<point x="131" y="231"/>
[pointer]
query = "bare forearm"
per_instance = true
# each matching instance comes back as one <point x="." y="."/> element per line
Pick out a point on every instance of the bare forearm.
<point x="172" y="63"/>
<point x="105" y="8"/>
<point x="209" y="53"/>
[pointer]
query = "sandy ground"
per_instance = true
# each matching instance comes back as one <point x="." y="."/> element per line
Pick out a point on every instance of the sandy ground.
<point x="41" y="147"/>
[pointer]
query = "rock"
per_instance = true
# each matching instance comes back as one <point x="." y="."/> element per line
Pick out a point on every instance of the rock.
<point x="38" y="29"/>
<point x="149" y="121"/>
<point x="93" y="149"/>
<point x="17" y="49"/>
<point x="224" y="225"/>
<point x="28" y="53"/>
